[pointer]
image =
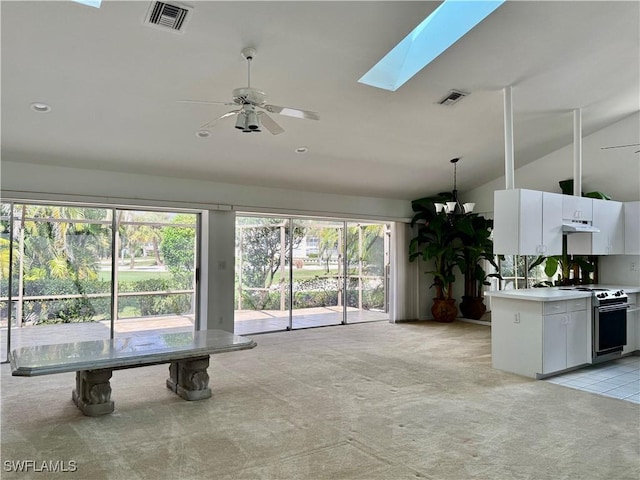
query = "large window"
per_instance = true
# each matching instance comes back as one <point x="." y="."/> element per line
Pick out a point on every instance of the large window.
<point x="70" y="272"/>
<point x="521" y="271"/>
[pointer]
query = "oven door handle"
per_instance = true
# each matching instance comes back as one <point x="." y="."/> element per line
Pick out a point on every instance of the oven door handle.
<point x="613" y="308"/>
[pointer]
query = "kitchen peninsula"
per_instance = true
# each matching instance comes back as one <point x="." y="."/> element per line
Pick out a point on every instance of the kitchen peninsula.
<point x="540" y="332"/>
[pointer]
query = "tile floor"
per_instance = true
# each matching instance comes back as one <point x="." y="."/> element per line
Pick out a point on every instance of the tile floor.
<point x="617" y="378"/>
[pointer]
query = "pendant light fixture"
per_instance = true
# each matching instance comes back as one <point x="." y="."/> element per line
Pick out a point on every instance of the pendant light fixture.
<point x="454" y="207"/>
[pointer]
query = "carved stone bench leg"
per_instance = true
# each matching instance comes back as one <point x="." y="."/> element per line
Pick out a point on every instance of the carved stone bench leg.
<point x="92" y="394"/>
<point x="189" y="378"/>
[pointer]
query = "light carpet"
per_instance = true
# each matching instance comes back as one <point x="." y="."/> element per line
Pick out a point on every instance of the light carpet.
<point x="367" y="401"/>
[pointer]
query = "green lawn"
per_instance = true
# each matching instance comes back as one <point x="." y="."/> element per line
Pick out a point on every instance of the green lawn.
<point x="303" y="274"/>
<point x="133" y="275"/>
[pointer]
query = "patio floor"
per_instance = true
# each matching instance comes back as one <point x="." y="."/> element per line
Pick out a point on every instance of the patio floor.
<point x="246" y="322"/>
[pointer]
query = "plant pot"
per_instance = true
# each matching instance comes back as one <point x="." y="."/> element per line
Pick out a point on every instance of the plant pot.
<point x="444" y="310"/>
<point x="472" y="307"/>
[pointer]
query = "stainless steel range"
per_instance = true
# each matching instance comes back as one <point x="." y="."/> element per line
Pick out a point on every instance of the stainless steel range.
<point x="609" y="325"/>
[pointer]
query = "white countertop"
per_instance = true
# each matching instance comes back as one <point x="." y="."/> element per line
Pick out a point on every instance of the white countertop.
<point x="554" y="293"/>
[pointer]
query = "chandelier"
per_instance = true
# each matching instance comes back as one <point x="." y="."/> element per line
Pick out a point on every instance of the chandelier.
<point x="454" y="207"/>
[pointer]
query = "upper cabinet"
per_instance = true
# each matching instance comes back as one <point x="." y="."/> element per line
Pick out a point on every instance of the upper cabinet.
<point x="608" y="216"/>
<point x="527" y="222"/>
<point x="577" y="209"/>
<point x="632" y="228"/>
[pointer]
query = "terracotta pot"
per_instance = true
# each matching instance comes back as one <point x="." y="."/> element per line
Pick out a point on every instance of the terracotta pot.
<point x="472" y="307"/>
<point x="444" y="310"/>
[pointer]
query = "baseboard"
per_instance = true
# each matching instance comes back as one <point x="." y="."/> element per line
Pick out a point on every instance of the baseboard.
<point x="479" y="322"/>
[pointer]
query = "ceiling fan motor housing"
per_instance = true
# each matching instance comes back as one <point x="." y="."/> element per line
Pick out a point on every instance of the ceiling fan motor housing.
<point x="252" y="96"/>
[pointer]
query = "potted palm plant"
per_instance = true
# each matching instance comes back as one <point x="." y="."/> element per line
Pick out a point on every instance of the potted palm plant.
<point x="475" y="233"/>
<point x="437" y="240"/>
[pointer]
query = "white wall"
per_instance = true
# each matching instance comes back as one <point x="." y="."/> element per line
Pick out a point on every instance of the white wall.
<point x="615" y="172"/>
<point x="217" y="263"/>
<point x="28" y="181"/>
<point x="620" y="270"/>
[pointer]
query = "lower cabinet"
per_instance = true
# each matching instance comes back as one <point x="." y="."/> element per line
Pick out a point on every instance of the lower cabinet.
<point x="633" y="326"/>
<point x="564" y="340"/>
<point x="540" y="338"/>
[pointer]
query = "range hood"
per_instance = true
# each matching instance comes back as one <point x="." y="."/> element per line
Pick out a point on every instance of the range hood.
<point x="577" y="227"/>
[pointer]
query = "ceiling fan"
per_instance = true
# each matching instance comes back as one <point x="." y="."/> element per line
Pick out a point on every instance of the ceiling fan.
<point x="622" y="146"/>
<point x="251" y="103"/>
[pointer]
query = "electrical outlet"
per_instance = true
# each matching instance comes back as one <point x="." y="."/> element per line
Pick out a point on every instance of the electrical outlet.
<point x="516" y="317"/>
<point x="634" y="267"/>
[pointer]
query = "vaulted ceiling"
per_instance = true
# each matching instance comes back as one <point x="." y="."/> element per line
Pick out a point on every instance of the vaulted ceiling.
<point x="112" y="83"/>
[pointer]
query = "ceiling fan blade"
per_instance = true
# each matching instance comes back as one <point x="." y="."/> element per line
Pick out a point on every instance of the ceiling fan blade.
<point x="270" y="124"/>
<point x="292" y="112"/>
<point x="620" y="146"/>
<point x="203" y="102"/>
<point x="228" y="114"/>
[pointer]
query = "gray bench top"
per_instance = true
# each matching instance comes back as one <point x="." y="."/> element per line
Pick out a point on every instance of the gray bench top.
<point x="123" y="352"/>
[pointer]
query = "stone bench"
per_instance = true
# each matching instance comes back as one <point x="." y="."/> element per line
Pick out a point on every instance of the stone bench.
<point x="94" y="361"/>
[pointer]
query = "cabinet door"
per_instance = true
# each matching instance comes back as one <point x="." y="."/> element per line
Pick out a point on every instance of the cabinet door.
<point x="554" y="342"/>
<point x="527" y="222"/>
<point x="608" y="216"/>
<point x="577" y="208"/>
<point x="632" y="228"/>
<point x="577" y="347"/>
<point x="551" y="224"/>
<point x="633" y="329"/>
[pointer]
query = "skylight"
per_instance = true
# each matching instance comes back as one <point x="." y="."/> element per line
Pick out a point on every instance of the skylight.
<point x="91" y="3"/>
<point x="445" y="26"/>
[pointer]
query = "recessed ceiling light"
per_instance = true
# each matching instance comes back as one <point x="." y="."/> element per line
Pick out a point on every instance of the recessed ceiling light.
<point x="302" y="150"/>
<point x="203" y="133"/>
<point x="40" y="107"/>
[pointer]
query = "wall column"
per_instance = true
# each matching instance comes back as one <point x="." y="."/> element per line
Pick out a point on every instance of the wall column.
<point x="217" y="270"/>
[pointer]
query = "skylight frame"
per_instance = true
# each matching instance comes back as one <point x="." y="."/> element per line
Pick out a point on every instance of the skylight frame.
<point x="442" y="28"/>
<point x="89" y="3"/>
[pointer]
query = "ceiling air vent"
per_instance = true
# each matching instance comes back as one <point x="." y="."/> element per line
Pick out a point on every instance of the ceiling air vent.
<point x="168" y="16"/>
<point x="454" y="96"/>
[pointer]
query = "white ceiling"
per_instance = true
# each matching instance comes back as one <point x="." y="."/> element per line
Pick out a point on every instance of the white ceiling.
<point x="112" y="83"/>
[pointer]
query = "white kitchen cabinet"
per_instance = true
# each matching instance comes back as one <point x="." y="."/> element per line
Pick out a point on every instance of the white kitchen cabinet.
<point x="527" y="222"/>
<point x="578" y="351"/>
<point x="633" y="329"/>
<point x="539" y="338"/>
<point x="564" y="336"/>
<point x="608" y="216"/>
<point x="554" y="342"/>
<point x="632" y="228"/>
<point x="576" y="208"/>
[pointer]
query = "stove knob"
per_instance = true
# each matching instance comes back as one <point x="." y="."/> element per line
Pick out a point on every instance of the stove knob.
<point x="618" y="293"/>
<point x="600" y="295"/>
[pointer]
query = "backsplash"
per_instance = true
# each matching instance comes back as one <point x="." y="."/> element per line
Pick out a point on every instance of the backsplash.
<point x="620" y="269"/>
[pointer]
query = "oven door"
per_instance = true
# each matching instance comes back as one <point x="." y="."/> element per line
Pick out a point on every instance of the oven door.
<point x="610" y="328"/>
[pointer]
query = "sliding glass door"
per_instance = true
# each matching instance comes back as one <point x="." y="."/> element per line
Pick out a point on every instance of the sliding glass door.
<point x="303" y="272"/>
<point x="74" y="272"/>
<point x="262" y="299"/>
<point x="367" y="272"/>
<point x="318" y="274"/>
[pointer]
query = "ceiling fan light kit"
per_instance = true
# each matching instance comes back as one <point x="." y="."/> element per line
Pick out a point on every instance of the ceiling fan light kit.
<point x="249" y="119"/>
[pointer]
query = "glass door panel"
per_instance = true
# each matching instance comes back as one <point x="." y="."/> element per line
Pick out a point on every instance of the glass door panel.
<point x="6" y="307"/>
<point x="262" y="285"/>
<point x="156" y="271"/>
<point x="367" y="272"/>
<point x="61" y="255"/>
<point x="318" y="279"/>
